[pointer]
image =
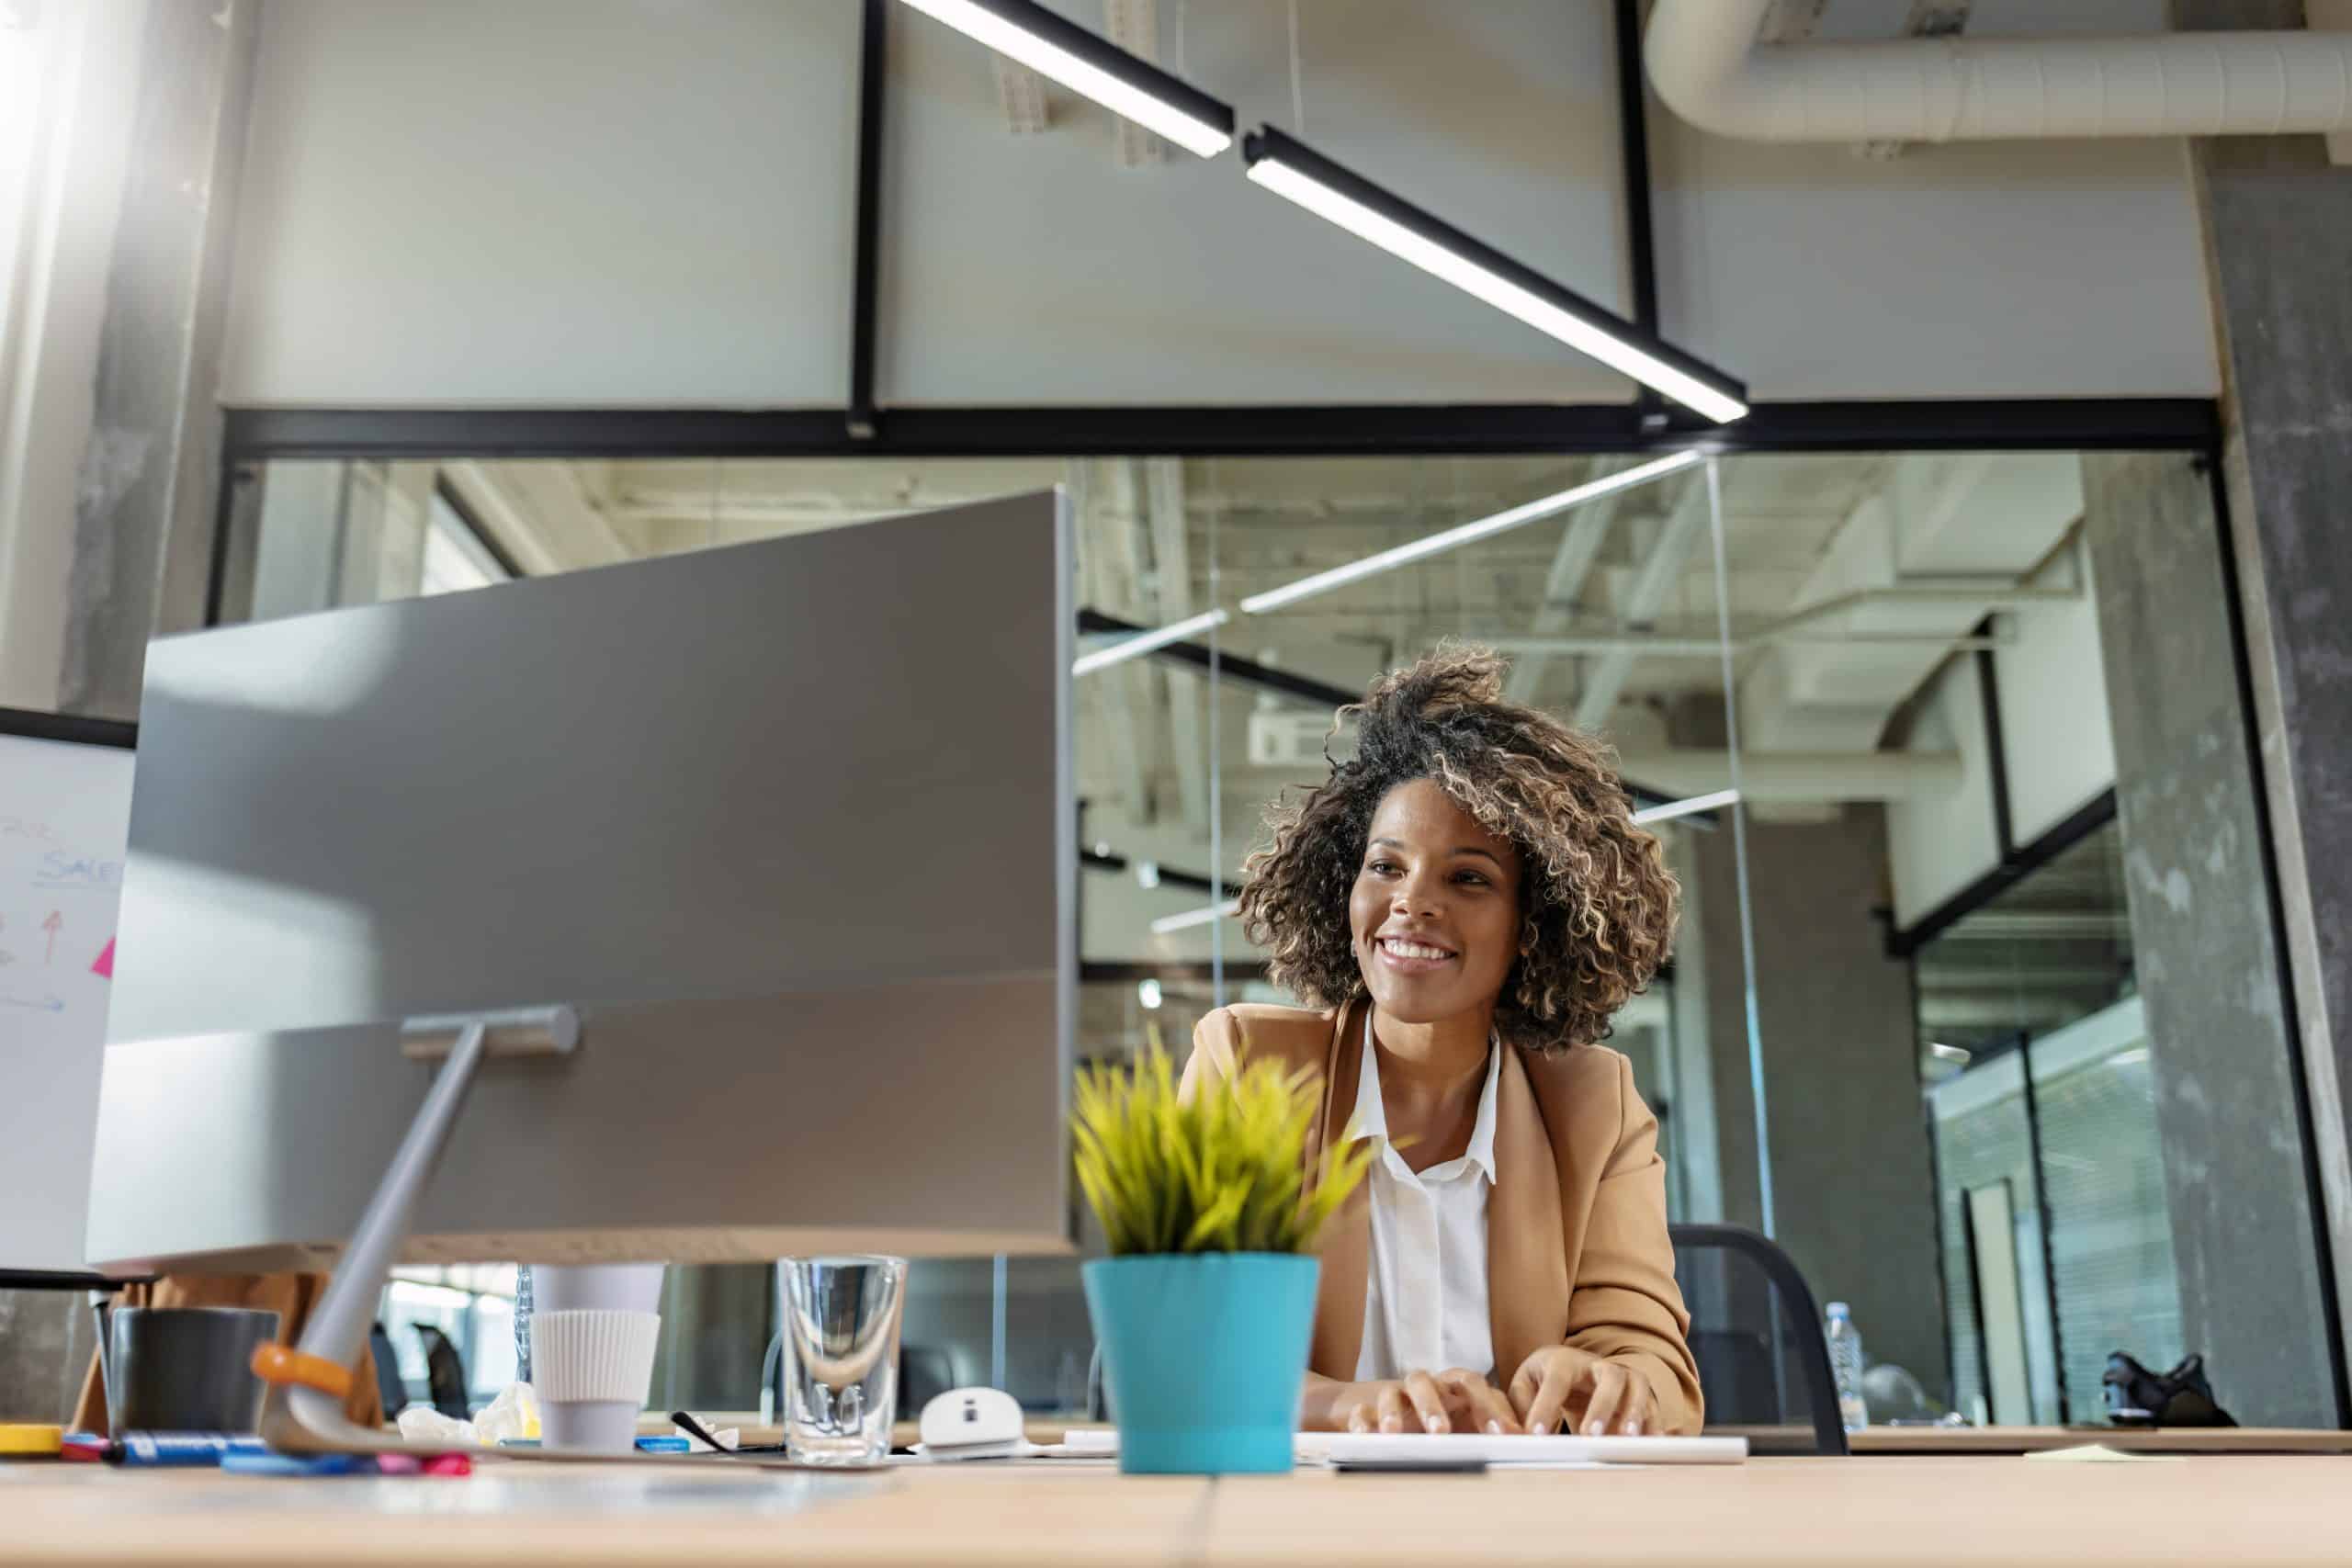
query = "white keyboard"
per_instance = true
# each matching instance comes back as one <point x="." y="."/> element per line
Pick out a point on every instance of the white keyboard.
<point x="1395" y="1447"/>
<point x="1346" y="1448"/>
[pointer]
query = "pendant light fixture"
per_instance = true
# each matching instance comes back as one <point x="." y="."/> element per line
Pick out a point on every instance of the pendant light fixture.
<point x="1290" y="169"/>
<point x="1091" y="65"/>
<point x="1463" y="534"/>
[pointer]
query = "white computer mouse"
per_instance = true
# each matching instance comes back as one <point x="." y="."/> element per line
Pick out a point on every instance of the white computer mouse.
<point x="972" y="1423"/>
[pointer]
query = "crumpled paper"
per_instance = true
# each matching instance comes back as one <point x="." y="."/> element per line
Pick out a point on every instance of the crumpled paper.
<point x="513" y="1413"/>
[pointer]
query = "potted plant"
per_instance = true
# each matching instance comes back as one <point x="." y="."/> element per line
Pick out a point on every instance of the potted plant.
<point x="1205" y="1306"/>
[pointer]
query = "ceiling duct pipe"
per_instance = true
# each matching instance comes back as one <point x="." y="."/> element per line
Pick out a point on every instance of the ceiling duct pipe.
<point x="1707" y="63"/>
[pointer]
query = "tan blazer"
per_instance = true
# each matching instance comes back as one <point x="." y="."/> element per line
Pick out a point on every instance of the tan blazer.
<point x="1577" y="1249"/>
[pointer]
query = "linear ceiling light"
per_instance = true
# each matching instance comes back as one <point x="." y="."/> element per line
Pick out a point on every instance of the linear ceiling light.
<point x="1689" y="807"/>
<point x="1144" y="642"/>
<point x="1089" y="64"/>
<point x="1446" y="539"/>
<point x="1190" y="917"/>
<point x="1283" y="165"/>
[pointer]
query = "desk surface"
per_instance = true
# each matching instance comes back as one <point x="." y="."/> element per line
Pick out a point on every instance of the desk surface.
<point x="2285" y="1509"/>
<point x="2032" y="1440"/>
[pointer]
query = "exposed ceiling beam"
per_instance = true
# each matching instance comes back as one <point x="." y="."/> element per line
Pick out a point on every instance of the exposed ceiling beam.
<point x="1977" y="1012"/>
<point x="1803" y="777"/>
<point x="1115" y="564"/>
<point x="1248" y="673"/>
<point x="1666" y="645"/>
<point x="2006" y="925"/>
<point x="1644" y="596"/>
<point x="1134" y="26"/>
<point x="1162" y="484"/>
<point x="1572" y="560"/>
<point x="1945" y="979"/>
<point x="1021" y="93"/>
<point x="539" y="513"/>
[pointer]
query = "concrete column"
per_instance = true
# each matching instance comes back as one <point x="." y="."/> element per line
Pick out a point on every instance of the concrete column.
<point x="2277" y="223"/>
<point x="109" y="435"/>
<point x="2206" y="948"/>
<point x="143" y="515"/>
<point x="1853" y="1188"/>
<point x="46" y="1338"/>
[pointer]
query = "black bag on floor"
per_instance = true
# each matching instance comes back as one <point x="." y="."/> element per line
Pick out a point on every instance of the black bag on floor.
<point x="2181" y="1397"/>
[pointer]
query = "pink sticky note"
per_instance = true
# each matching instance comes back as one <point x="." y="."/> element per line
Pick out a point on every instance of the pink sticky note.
<point x="104" y="967"/>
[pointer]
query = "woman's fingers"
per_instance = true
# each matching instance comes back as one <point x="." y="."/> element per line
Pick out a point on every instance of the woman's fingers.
<point x="1560" y="1380"/>
<point x="1609" y="1390"/>
<point x="1482" y="1403"/>
<point x="1429" y="1402"/>
<point x="1640" y="1414"/>
<point x="1392" y="1408"/>
<point x="1359" y="1416"/>
<point x="1525" y="1385"/>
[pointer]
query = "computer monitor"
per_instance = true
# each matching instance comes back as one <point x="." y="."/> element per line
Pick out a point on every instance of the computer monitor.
<point x="790" y="825"/>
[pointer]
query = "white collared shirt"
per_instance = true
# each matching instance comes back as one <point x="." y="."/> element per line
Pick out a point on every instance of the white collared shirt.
<point x="1425" y="1291"/>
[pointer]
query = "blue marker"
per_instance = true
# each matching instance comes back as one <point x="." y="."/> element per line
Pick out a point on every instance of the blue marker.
<point x="182" y="1448"/>
<point x="239" y="1463"/>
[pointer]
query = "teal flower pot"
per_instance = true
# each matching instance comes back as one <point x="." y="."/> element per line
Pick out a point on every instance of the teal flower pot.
<point x="1205" y="1355"/>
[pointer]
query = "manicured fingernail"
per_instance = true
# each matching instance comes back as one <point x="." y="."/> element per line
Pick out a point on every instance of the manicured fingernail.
<point x="1592" y="1428"/>
<point x="1495" y="1428"/>
<point x="1634" y="1428"/>
<point x="1391" y="1424"/>
<point x="1434" y="1422"/>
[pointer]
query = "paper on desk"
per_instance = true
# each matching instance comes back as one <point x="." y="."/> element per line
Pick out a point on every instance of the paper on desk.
<point x="1559" y="1464"/>
<point x="2099" y="1453"/>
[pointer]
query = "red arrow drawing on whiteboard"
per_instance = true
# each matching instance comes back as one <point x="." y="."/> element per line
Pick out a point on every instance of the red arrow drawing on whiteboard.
<point x="53" y="925"/>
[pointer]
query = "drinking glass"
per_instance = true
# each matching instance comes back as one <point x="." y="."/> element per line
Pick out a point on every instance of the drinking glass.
<point x="841" y="1338"/>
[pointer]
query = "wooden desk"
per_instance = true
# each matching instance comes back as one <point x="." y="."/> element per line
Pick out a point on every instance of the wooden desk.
<point x="1974" y="1510"/>
<point x="2034" y="1440"/>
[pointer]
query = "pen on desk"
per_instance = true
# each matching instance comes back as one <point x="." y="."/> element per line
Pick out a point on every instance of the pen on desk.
<point x="180" y="1448"/>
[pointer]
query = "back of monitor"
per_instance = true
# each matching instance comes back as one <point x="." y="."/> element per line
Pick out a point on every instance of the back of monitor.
<point x="790" y="824"/>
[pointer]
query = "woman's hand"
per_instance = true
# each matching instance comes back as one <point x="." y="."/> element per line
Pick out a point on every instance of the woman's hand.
<point x="1594" y="1398"/>
<point x="1454" y="1401"/>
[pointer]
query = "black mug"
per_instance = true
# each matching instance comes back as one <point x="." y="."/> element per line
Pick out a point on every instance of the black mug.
<point x="185" y="1368"/>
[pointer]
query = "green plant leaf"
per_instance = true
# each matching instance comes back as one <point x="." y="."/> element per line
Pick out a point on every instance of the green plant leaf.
<point x="1224" y="1173"/>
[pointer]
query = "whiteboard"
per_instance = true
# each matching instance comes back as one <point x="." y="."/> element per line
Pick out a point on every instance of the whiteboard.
<point x="65" y="820"/>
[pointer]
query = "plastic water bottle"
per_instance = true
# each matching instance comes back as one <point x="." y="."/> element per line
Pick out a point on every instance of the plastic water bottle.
<point x="523" y="1324"/>
<point x="1846" y="1366"/>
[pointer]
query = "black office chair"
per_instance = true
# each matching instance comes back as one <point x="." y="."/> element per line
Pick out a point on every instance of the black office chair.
<point x="445" y="1372"/>
<point x="925" y="1371"/>
<point x="1756" y="1332"/>
<point x="390" y="1386"/>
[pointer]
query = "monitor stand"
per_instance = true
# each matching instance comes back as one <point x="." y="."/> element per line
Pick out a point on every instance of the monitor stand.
<point x="307" y="1384"/>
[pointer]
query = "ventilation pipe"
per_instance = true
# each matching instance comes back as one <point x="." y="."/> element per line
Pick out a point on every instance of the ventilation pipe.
<point x="1706" y="62"/>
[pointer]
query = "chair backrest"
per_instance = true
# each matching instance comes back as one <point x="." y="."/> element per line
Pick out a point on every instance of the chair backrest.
<point x="1756" y="1332"/>
<point x="389" y="1387"/>
<point x="445" y="1372"/>
<point x="925" y="1371"/>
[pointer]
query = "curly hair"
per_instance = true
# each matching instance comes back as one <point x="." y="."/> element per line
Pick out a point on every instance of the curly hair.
<point x="1597" y="904"/>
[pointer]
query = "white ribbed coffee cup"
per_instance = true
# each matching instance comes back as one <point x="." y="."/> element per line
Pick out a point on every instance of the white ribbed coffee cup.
<point x="591" y="1371"/>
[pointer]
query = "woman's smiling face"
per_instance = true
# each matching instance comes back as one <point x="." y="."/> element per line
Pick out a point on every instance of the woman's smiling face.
<point x="1435" y="908"/>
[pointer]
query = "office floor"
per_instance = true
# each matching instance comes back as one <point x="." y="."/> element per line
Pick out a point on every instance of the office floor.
<point x="1976" y="1509"/>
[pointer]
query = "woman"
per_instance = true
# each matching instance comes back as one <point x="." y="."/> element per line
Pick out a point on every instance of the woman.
<point x="1469" y="901"/>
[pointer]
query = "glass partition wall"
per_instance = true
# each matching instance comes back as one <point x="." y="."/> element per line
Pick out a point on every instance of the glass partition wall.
<point x="1861" y="695"/>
